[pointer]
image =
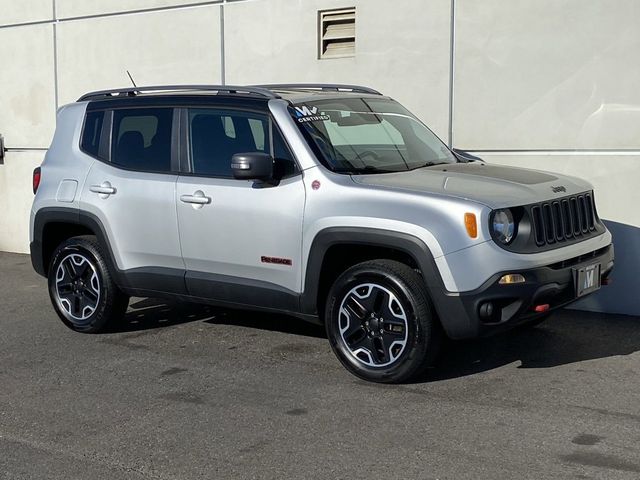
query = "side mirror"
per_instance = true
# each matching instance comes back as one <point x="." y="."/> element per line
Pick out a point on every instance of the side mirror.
<point x="252" y="166"/>
<point x="2" y="149"/>
<point x="466" y="156"/>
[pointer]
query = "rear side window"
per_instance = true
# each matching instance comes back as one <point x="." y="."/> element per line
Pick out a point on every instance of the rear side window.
<point x="141" y="139"/>
<point x="91" y="134"/>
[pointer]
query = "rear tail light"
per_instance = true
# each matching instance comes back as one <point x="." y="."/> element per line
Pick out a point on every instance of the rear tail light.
<point x="36" y="179"/>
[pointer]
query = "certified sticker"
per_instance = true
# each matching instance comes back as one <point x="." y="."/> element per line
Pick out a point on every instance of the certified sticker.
<point x="305" y="113"/>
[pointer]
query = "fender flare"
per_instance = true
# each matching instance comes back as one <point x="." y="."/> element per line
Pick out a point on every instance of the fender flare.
<point x="48" y="215"/>
<point x="329" y="237"/>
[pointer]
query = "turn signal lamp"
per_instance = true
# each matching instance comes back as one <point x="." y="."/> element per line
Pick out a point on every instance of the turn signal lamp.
<point x="511" y="278"/>
<point x="471" y="224"/>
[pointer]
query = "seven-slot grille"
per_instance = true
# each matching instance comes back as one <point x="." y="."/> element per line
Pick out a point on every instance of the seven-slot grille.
<point x="564" y="219"/>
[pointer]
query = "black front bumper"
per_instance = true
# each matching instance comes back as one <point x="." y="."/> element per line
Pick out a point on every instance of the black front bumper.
<point x="552" y="285"/>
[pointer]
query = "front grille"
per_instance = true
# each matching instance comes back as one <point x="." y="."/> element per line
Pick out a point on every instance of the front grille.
<point x="569" y="218"/>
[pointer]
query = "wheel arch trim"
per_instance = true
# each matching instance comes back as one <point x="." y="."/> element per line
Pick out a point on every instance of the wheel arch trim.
<point x="374" y="237"/>
<point x="49" y="215"/>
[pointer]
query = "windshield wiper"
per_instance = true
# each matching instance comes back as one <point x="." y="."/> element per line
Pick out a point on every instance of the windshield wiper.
<point x="430" y="164"/>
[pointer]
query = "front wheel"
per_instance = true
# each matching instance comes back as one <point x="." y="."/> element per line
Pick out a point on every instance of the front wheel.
<point x="380" y="322"/>
<point x="81" y="288"/>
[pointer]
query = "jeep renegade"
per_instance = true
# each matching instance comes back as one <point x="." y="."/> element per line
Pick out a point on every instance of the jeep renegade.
<point x="331" y="203"/>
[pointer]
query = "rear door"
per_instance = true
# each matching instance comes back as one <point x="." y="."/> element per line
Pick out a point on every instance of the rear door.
<point x="241" y="240"/>
<point x="132" y="192"/>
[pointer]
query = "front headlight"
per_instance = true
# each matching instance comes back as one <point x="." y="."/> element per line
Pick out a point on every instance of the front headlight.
<point x="502" y="226"/>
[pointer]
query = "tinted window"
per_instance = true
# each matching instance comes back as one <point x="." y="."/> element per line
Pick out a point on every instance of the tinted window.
<point x="91" y="134"/>
<point x="142" y="139"/>
<point x="216" y="135"/>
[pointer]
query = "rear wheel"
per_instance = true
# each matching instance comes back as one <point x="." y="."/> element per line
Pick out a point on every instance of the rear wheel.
<point x="380" y="322"/>
<point x="81" y="287"/>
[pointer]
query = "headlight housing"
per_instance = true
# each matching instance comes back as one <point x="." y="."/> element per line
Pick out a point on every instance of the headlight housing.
<point x="503" y="227"/>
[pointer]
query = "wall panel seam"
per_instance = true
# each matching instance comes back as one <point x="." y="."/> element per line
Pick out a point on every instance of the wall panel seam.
<point x="452" y="51"/>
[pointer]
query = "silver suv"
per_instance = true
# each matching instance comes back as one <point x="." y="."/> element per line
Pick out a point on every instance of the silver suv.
<point x="331" y="203"/>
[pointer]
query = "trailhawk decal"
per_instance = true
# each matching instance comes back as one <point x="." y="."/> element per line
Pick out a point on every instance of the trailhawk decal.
<point x="309" y="114"/>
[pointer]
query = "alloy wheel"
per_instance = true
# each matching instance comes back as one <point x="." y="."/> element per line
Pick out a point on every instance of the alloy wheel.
<point x="373" y="325"/>
<point x="77" y="287"/>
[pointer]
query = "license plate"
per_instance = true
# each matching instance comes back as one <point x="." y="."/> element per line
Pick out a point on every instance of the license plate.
<point x="587" y="279"/>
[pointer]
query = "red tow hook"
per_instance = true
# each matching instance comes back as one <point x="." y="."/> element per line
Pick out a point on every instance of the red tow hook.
<point x="541" y="308"/>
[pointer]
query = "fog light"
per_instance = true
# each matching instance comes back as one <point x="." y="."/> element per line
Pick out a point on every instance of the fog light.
<point x="486" y="310"/>
<point x="511" y="278"/>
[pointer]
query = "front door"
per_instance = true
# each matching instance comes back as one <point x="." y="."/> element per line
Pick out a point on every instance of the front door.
<point x="241" y="240"/>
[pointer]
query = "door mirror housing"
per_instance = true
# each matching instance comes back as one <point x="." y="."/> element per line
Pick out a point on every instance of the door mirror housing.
<point x="252" y="166"/>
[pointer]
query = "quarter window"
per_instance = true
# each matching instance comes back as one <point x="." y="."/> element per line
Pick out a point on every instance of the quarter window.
<point x="91" y="134"/>
<point x="142" y="139"/>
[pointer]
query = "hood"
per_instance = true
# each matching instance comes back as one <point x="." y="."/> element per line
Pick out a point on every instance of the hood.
<point x="495" y="186"/>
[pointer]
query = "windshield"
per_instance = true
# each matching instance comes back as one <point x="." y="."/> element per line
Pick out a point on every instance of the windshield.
<point x="358" y="135"/>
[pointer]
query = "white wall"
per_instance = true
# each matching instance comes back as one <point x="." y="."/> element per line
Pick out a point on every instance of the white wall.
<point x="547" y="74"/>
<point x="27" y="104"/>
<point x="157" y="47"/>
<point x="403" y="52"/>
<point x="16" y="192"/>
<point x="546" y="84"/>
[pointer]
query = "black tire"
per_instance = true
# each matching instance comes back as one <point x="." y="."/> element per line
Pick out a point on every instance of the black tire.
<point x="372" y="347"/>
<point x="81" y="286"/>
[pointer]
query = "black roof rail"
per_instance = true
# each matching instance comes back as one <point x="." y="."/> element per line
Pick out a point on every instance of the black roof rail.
<point x="224" y="89"/>
<point x="331" y="87"/>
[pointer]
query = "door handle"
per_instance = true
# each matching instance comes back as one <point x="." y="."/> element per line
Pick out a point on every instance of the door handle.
<point x="104" y="189"/>
<point x="198" y="198"/>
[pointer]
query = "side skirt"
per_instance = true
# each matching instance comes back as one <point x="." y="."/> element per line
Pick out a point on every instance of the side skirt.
<point x="212" y="289"/>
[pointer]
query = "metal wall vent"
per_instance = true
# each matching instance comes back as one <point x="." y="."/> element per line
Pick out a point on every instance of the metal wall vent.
<point x="337" y="33"/>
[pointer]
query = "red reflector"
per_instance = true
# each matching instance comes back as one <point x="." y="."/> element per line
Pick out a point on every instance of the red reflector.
<point x="607" y="281"/>
<point x="36" y="179"/>
<point x="541" y="308"/>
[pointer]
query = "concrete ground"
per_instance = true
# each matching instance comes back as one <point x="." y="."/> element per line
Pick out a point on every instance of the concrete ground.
<point x="193" y="392"/>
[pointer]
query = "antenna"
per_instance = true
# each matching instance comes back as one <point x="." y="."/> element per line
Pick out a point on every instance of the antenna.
<point x="131" y="78"/>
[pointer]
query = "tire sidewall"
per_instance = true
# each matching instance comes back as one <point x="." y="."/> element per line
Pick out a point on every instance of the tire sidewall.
<point x="415" y="348"/>
<point x="97" y="318"/>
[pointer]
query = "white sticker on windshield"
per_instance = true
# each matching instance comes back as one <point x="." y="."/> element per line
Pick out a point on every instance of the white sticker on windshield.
<point x="309" y="114"/>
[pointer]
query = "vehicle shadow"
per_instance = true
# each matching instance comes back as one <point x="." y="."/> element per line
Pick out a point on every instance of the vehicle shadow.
<point x="149" y="313"/>
<point x="568" y="336"/>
